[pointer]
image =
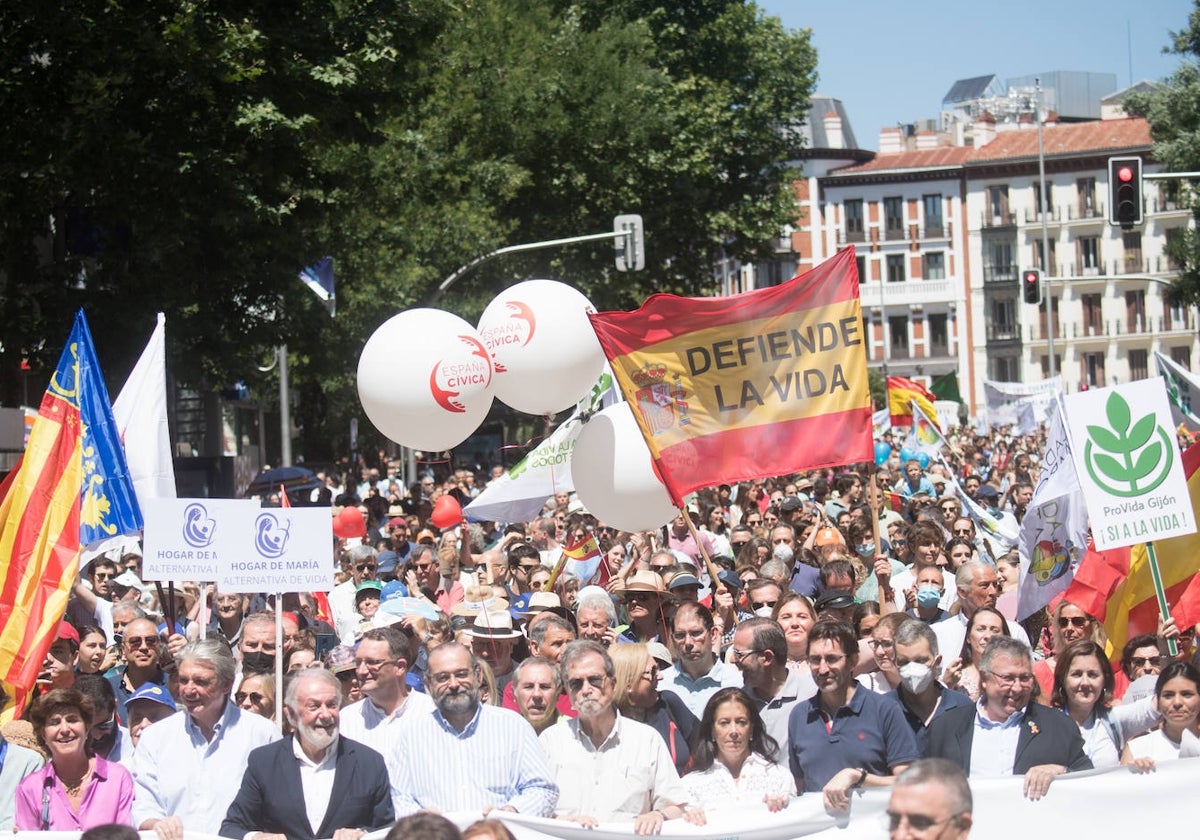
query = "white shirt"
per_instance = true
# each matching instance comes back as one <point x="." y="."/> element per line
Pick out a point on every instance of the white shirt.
<point x="629" y="774"/>
<point x="715" y="788"/>
<point x="994" y="745"/>
<point x="372" y="727"/>
<point x="345" y="616"/>
<point x="1158" y="746"/>
<point x="177" y="772"/>
<point x="951" y="633"/>
<point x="316" y="779"/>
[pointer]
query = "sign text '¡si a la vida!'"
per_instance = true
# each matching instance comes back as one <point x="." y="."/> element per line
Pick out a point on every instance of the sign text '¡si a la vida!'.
<point x="769" y="349"/>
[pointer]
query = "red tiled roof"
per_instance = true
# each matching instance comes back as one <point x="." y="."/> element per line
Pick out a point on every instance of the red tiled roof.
<point x="1075" y="138"/>
<point x="923" y="159"/>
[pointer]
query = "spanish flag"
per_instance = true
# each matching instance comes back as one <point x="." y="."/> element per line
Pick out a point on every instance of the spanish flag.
<point x="1116" y="585"/>
<point x="767" y="382"/>
<point x="584" y="560"/>
<point x="71" y="489"/>
<point x="903" y="391"/>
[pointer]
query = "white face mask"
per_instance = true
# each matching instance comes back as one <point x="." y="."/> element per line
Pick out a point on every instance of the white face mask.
<point x="763" y="612"/>
<point x="916" y="676"/>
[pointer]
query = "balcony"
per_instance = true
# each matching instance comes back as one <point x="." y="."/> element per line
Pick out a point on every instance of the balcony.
<point x="856" y="236"/>
<point x="1155" y="206"/>
<point x="895" y="234"/>
<point x="1083" y="270"/>
<point x="906" y="293"/>
<point x="999" y="274"/>
<point x="1003" y="332"/>
<point x="998" y="220"/>
<point x="1065" y="213"/>
<point x="935" y="232"/>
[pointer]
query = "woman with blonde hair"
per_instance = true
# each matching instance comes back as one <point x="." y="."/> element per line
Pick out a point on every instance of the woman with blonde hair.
<point x="636" y="696"/>
<point x="1068" y="623"/>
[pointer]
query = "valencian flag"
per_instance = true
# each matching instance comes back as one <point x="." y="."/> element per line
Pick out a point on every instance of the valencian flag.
<point x="903" y="391"/>
<point x="1116" y="585"/>
<point x="71" y="490"/>
<point x="767" y="382"/>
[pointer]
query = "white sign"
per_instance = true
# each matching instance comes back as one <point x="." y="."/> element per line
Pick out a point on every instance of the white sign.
<point x="240" y="545"/>
<point x="1005" y="398"/>
<point x="1130" y="468"/>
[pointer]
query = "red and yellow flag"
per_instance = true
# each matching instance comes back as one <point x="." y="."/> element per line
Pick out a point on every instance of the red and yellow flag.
<point x="763" y="383"/>
<point x="902" y="392"/>
<point x="40" y="529"/>
<point x="1116" y="585"/>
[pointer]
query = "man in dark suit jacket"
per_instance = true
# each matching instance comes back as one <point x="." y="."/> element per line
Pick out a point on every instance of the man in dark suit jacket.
<point x="314" y="784"/>
<point x="981" y="740"/>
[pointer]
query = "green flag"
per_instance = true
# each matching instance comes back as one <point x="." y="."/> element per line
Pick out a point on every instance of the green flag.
<point x="946" y="387"/>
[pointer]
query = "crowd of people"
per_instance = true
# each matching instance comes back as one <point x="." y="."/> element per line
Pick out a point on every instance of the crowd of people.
<point x="810" y="634"/>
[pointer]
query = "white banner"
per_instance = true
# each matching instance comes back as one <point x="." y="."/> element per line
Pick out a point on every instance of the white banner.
<point x="1128" y="463"/>
<point x="240" y="545"/>
<point x="1098" y="805"/>
<point x="1004" y="398"/>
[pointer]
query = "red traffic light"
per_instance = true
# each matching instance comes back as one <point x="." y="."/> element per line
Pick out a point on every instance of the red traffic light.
<point x="1125" y="174"/>
<point x="1031" y="277"/>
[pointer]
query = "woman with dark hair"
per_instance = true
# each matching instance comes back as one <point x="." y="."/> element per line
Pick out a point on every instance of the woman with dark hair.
<point x="95" y="656"/>
<point x="730" y="768"/>
<point x="1083" y="688"/>
<point x="959" y="551"/>
<point x="75" y="790"/>
<point x="1177" y="697"/>
<point x="963" y="673"/>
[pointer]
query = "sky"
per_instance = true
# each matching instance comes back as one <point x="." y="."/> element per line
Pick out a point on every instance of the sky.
<point x="892" y="62"/>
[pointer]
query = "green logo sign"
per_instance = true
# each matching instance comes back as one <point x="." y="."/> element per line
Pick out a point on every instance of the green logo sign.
<point x="1123" y="460"/>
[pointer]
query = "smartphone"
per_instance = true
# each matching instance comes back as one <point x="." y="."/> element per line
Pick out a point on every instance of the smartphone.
<point x="325" y="642"/>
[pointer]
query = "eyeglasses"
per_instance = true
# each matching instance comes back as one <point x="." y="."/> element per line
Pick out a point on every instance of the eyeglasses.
<point x="108" y="725"/>
<point x="370" y="664"/>
<point x="739" y="655"/>
<point x="681" y="635"/>
<point x="1143" y="661"/>
<point x="758" y="605"/>
<point x="254" y="697"/>
<point x="575" y="684"/>
<point x="443" y="677"/>
<point x="1079" y="621"/>
<point x="366" y="567"/>
<point x="103" y="576"/>
<point x="881" y="644"/>
<point x="753" y="522"/>
<point x="136" y="642"/>
<point x="916" y="822"/>
<point x="964" y="532"/>
<point x="1009" y="679"/>
<point x="637" y="597"/>
<point x="422" y="567"/>
<point x="829" y="659"/>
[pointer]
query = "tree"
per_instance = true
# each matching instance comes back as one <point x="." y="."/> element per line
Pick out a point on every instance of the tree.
<point x="1173" y="111"/>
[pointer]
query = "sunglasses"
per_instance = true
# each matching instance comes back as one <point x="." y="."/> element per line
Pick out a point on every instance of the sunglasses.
<point x="758" y="605"/>
<point x="366" y="567"/>
<point x="254" y="697"/>
<point x="103" y="576"/>
<point x="1143" y="661"/>
<point x="575" y="684"/>
<point x="1079" y="621"/>
<point x="142" y="641"/>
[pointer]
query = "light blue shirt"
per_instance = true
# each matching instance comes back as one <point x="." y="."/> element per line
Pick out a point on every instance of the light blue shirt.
<point x="495" y="761"/>
<point x="695" y="692"/>
<point x="176" y="772"/>
<point x="19" y="762"/>
<point x="994" y="744"/>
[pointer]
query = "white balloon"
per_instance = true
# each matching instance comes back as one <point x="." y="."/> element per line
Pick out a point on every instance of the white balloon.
<point x="614" y="476"/>
<point x="546" y="353"/>
<point x="425" y="379"/>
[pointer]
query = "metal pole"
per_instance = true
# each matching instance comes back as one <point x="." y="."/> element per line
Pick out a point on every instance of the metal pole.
<point x="285" y="411"/>
<point x="1047" y="288"/>
<point x="883" y="315"/>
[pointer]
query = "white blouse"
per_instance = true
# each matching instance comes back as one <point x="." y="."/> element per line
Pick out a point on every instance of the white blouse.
<point x="715" y="788"/>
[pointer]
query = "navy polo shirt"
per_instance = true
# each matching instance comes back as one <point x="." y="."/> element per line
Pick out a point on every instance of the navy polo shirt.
<point x="870" y="731"/>
<point x="951" y="699"/>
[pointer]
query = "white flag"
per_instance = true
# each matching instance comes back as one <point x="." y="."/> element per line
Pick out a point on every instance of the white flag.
<point x="1054" y="530"/>
<point x="140" y="411"/>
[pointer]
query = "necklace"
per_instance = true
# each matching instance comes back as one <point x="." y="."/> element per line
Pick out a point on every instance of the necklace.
<point x="73" y="788"/>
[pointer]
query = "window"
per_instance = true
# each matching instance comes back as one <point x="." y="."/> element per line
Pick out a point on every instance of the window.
<point x="1093" y="370"/>
<point x="998" y="262"/>
<point x="1041" y="198"/>
<point x="1182" y="356"/>
<point x="895" y="268"/>
<point x="861" y="264"/>
<point x="1131" y="241"/>
<point x="854" y="220"/>
<point x="939" y="335"/>
<point x="1041" y="310"/>
<point x="1085" y="189"/>
<point x="893" y="217"/>
<point x="1174" y="243"/>
<point x="998" y="204"/>
<point x="1004" y="319"/>
<point x="1089" y="254"/>
<point x="1093" y="314"/>
<point x="1135" y="311"/>
<point x="934" y="266"/>
<point x="1175" y="315"/>
<point x="1004" y="368"/>
<point x="1038" y="262"/>
<point x="933" y="214"/>
<point x="1138" y="367"/>
<point x="1046" y="365"/>
<point x="898" y="336"/>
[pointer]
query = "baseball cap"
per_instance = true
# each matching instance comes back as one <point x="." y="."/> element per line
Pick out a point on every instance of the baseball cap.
<point x="154" y="692"/>
<point x="987" y="491"/>
<point x="835" y="599"/>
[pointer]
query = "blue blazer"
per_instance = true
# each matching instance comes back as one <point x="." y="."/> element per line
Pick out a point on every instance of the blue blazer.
<point x="1047" y="737"/>
<point x="271" y="798"/>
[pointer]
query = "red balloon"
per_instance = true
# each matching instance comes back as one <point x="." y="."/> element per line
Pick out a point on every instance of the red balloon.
<point x="447" y="512"/>
<point x="349" y="524"/>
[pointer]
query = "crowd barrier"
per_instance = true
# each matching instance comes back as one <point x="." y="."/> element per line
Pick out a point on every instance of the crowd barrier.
<point x="1101" y="803"/>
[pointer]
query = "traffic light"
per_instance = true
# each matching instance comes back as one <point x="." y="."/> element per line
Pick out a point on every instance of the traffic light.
<point x="1125" y="191"/>
<point x="630" y="245"/>
<point x="1031" y="285"/>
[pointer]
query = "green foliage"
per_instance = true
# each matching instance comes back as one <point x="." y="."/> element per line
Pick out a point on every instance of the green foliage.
<point x="192" y="157"/>
<point x="1173" y="112"/>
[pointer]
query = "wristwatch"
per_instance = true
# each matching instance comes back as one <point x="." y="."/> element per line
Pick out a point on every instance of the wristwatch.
<point x="862" y="778"/>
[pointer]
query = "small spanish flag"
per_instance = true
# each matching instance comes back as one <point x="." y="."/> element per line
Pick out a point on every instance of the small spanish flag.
<point x="901" y="393"/>
<point x="583" y="560"/>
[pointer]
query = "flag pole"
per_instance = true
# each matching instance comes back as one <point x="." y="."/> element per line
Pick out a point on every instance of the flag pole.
<point x="875" y="532"/>
<point x="279" y="659"/>
<point x="713" y="571"/>
<point x="1164" y="609"/>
